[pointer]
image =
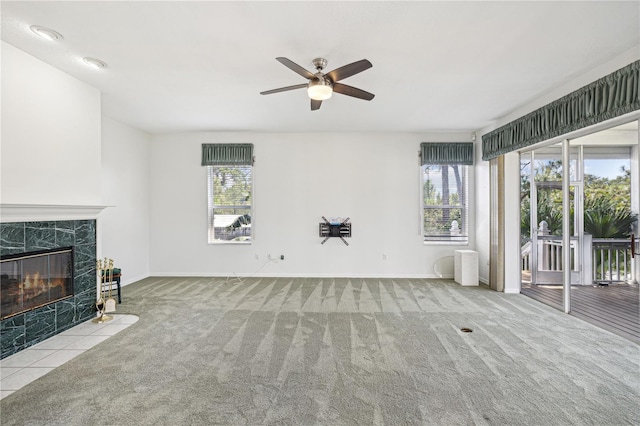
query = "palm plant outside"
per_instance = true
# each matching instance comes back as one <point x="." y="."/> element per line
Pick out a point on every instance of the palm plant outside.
<point x="607" y="203"/>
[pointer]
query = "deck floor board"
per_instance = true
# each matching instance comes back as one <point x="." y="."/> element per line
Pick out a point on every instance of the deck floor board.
<point x="615" y="308"/>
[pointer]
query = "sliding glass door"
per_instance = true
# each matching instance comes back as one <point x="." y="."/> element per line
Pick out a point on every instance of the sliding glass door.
<point x="603" y="194"/>
<point x="541" y="216"/>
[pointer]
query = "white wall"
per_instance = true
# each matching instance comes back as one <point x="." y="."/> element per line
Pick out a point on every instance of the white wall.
<point x="124" y="224"/>
<point x="512" y="173"/>
<point x="50" y="137"/>
<point x="372" y="178"/>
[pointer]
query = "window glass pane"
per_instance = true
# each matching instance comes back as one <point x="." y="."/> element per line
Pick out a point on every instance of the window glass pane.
<point x="525" y="197"/>
<point x="548" y="164"/>
<point x="607" y="197"/>
<point x="232" y="185"/>
<point x="445" y="203"/>
<point x="229" y="201"/>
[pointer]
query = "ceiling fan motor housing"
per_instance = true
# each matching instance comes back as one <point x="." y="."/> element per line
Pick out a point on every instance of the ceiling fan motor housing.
<point x="319" y="63"/>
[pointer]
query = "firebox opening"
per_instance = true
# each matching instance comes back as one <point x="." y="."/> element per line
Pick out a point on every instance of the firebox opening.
<point x="35" y="279"/>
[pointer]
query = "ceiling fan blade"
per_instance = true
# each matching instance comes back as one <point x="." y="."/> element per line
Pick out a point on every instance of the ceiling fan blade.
<point x="295" y="67"/>
<point x="315" y="104"/>
<point x="349" y="70"/>
<point x="284" y="89"/>
<point x="343" y="89"/>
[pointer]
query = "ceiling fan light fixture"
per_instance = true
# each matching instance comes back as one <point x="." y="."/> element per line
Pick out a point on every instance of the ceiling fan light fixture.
<point x="46" y="33"/>
<point x="320" y="89"/>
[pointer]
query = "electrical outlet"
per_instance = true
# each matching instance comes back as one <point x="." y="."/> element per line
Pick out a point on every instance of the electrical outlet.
<point x="282" y="257"/>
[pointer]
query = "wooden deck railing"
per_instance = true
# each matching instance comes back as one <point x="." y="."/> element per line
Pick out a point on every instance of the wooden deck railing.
<point x="611" y="260"/>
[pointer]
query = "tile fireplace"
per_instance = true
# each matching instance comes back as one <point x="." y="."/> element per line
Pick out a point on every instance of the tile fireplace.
<point x="69" y="247"/>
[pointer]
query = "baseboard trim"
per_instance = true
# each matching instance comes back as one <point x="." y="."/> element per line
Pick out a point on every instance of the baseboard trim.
<point x="269" y="275"/>
<point x="134" y="279"/>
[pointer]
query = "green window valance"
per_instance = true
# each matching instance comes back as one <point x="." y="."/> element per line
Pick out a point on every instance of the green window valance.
<point x="227" y="154"/>
<point x="611" y="96"/>
<point x="447" y="153"/>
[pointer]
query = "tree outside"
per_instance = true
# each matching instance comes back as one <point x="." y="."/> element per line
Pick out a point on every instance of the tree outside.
<point x="607" y="201"/>
<point x="232" y="198"/>
<point x="443" y="193"/>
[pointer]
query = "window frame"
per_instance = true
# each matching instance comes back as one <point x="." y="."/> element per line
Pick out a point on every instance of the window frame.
<point x="442" y="239"/>
<point x="211" y="206"/>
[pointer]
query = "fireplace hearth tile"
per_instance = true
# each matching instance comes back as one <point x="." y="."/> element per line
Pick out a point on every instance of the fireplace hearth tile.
<point x="87" y="342"/>
<point x="84" y="329"/>
<point x="24" y="377"/>
<point x="20" y="369"/>
<point x="56" y="342"/>
<point x="26" y="358"/>
<point x="57" y="358"/>
<point x="7" y="371"/>
<point x="127" y="319"/>
<point x="111" y="329"/>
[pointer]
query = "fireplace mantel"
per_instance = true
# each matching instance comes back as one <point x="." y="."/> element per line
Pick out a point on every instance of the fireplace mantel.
<point x="45" y="212"/>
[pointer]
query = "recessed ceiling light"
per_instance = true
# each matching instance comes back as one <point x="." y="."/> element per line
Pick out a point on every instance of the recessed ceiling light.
<point x="96" y="63"/>
<point x="46" y="33"/>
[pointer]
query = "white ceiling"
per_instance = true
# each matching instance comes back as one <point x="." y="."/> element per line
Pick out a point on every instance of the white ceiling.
<point x="437" y="66"/>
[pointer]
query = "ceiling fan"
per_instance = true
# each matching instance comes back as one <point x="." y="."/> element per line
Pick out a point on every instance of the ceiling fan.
<point x="322" y="85"/>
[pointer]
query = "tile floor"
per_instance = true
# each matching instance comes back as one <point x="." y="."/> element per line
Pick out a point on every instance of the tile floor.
<point x="22" y="368"/>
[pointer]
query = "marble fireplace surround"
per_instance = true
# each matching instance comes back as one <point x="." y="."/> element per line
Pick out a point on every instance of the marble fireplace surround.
<point x="26" y="228"/>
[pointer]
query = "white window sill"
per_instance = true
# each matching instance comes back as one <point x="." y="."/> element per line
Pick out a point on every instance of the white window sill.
<point x="445" y="243"/>
<point x="230" y="243"/>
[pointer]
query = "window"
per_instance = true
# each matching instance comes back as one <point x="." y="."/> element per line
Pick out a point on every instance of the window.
<point x="445" y="203"/>
<point x="230" y="192"/>
<point x="445" y="210"/>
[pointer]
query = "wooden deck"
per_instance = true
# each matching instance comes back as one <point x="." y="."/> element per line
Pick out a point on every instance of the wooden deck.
<point x="615" y="308"/>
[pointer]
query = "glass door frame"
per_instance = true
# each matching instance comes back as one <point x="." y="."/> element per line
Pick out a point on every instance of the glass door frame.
<point x="577" y="195"/>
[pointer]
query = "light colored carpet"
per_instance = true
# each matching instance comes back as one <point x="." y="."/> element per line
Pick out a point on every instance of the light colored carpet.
<point x="338" y="352"/>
